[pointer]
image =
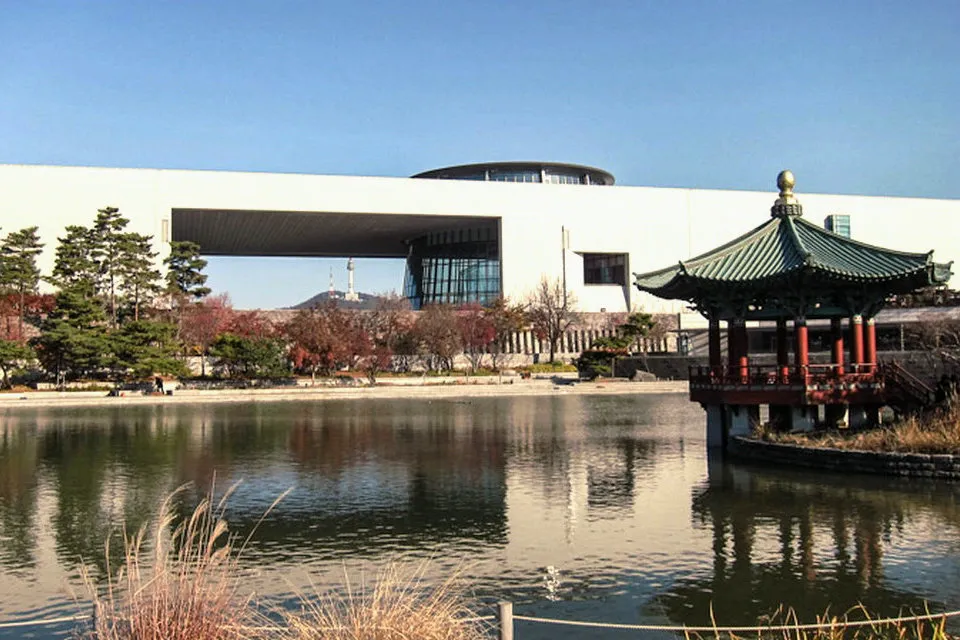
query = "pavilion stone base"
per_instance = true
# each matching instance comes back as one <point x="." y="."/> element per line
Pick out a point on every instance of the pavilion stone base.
<point x="785" y="417"/>
<point x="716" y="429"/>
<point x="724" y="420"/>
<point x="862" y="416"/>
<point x="742" y="418"/>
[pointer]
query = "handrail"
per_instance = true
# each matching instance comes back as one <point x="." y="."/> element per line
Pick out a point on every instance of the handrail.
<point x="902" y="373"/>
<point x="768" y="374"/>
<point x="916" y="389"/>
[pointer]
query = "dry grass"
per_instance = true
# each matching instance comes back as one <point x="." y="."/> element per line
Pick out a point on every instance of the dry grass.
<point x="784" y="625"/>
<point x="397" y="606"/>
<point x="183" y="581"/>
<point x="935" y="433"/>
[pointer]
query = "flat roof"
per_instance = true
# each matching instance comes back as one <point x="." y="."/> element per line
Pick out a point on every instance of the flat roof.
<point x="565" y="167"/>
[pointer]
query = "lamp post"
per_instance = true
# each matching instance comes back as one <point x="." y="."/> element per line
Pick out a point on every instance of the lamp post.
<point x="564" y="245"/>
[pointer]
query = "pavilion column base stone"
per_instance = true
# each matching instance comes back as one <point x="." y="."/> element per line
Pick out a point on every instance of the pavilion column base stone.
<point x="862" y="416"/>
<point x="716" y="429"/>
<point x="802" y="418"/>
<point x="836" y="415"/>
<point x="742" y="418"/>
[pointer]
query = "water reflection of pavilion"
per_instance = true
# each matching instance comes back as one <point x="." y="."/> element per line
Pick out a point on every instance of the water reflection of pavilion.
<point x="830" y="539"/>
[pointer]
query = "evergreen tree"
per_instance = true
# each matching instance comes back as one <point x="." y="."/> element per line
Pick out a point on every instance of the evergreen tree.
<point x="185" y="278"/>
<point x="139" y="281"/>
<point x="19" y="273"/>
<point x="73" y="341"/>
<point x="184" y="271"/>
<point x="250" y="356"/>
<point x="74" y="268"/>
<point x="107" y="251"/>
<point x="145" y="348"/>
<point x="12" y="353"/>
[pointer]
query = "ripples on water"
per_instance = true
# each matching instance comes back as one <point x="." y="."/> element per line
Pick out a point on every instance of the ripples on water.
<point x="580" y="507"/>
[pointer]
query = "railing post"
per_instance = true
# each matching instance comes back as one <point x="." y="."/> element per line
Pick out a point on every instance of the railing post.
<point x="506" y="620"/>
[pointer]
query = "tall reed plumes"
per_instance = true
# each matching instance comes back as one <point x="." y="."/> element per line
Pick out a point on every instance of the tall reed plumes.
<point x="181" y="580"/>
<point x="183" y="585"/>
<point x="397" y="606"/>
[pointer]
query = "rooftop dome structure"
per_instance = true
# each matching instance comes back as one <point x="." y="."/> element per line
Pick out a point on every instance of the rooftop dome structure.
<point x="522" y="171"/>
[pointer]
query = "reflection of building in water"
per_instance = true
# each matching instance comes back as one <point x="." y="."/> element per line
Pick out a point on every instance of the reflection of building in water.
<point x="830" y="552"/>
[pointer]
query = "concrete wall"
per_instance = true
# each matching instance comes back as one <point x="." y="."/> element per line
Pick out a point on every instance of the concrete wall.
<point x="894" y="464"/>
<point x="655" y="227"/>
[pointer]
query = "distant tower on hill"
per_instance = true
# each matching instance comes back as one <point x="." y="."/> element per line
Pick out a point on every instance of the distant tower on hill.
<point x="351" y="294"/>
<point x="332" y="293"/>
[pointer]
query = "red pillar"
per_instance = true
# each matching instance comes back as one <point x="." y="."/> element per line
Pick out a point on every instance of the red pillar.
<point x="836" y="331"/>
<point x="713" y="336"/>
<point x="802" y="350"/>
<point x="743" y="346"/>
<point x="856" y="341"/>
<point x="870" y="348"/>
<point x="783" y="359"/>
<point x="733" y="351"/>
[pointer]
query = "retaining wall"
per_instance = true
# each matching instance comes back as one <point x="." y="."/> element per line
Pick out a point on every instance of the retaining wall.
<point x="892" y="464"/>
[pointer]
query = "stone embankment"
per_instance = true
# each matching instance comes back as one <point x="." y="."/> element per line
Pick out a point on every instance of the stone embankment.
<point x="878" y="462"/>
<point x="424" y="387"/>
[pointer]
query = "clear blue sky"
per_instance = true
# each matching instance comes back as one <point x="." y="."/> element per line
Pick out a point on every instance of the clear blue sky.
<point x="855" y="97"/>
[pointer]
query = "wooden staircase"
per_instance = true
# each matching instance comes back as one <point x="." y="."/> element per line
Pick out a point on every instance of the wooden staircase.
<point x="905" y="393"/>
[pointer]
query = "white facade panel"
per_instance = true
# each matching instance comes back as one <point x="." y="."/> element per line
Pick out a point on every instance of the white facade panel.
<point x="654" y="226"/>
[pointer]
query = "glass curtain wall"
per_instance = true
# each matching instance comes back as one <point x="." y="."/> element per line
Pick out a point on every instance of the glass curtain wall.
<point x="453" y="267"/>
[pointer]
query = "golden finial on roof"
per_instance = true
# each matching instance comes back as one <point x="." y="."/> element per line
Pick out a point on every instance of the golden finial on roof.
<point x="786" y="182"/>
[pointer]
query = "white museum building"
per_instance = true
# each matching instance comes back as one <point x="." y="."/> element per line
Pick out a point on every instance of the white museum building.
<point x="468" y="233"/>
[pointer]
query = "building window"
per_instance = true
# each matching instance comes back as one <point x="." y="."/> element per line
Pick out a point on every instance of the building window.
<point x="515" y="176"/>
<point x="564" y="178"/>
<point x="454" y="267"/>
<point x="838" y="224"/>
<point x="605" y="268"/>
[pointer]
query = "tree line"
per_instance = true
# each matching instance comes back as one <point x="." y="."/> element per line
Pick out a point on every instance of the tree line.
<point x="115" y="316"/>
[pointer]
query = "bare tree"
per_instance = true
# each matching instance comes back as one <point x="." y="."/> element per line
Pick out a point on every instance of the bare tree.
<point x="508" y="319"/>
<point x="938" y="337"/>
<point x="439" y="336"/>
<point x="551" y="312"/>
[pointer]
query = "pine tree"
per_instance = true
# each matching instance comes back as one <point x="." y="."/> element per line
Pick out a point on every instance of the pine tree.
<point x="73" y="340"/>
<point x="74" y="268"/>
<point x="185" y="280"/>
<point x="146" y="348"/>
<point x="108" y="238"/>
<point x="184" y="267"/>
<point x="139" y="281"/>
<point x="19" y="273"/>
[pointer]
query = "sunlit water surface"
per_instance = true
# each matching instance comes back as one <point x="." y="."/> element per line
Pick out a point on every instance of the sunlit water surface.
<point x="580" y="507"/>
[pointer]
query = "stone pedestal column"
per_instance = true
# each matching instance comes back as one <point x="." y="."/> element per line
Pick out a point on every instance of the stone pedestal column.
<point x="716" y="427"/>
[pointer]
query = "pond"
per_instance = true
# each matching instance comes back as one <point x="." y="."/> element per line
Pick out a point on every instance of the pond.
<point x="580" y="507"/>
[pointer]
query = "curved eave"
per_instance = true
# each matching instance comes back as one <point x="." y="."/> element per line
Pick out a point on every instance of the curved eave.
<point x="684" y="286"/>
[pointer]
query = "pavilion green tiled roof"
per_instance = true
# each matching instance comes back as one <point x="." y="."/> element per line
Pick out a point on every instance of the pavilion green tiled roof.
<point x="786" y="253"/>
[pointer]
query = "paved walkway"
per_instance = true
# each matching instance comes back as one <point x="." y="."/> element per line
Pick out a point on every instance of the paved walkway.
<point x="390" y="388"/>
